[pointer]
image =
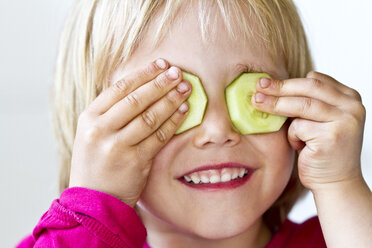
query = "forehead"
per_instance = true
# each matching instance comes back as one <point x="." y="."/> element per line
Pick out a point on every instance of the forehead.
<point x="204" y="40"/>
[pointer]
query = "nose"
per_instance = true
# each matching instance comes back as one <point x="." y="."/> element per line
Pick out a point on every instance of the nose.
<point x="216" y="129"/>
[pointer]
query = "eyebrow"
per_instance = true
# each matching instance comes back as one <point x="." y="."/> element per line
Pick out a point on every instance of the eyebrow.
<point x="239" y="69"/>
<point x="249" y="68"/>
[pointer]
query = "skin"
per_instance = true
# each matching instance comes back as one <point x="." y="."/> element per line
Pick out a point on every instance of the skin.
<point x="125" y="146"/>
<point x="216" y="220"/>
<point x="327" y="132"/>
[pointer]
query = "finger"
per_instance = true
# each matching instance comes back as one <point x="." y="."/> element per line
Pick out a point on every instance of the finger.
<point x="150" y="120"/>
<point x="299" y="132"/>
<point x="345" y="89"/>
<point x="303" y="107"/>
<point x="306" y="87"/>
<point x="136" y="102"/>
<point x="153" y="144"/>
<point x="123" y="87"/>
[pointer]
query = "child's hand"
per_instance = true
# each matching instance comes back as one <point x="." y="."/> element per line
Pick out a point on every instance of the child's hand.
<point x="122" y="130"/>
<point x="327" y="128"/>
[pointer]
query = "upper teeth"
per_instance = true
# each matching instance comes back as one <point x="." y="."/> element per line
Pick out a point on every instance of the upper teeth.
<point x="216" y="176"/>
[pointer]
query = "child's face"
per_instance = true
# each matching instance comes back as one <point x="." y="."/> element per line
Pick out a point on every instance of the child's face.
<point x="169" y="205"/>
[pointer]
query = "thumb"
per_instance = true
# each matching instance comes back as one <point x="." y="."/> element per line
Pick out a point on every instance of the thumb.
<point x="299" y="132"/>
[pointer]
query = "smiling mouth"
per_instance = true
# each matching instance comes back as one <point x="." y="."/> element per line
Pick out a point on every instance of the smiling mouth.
<point x="217" y="179"/>
<point x="216" y="176"/>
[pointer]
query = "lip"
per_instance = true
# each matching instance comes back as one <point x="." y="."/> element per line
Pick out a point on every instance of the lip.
<point x="219" y="186"/>
<point x="218" y="166"/>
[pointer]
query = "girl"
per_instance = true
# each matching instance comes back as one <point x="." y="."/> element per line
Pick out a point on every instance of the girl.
<point x="120" y="97"/>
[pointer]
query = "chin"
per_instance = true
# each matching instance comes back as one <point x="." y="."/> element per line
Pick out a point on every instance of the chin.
<point x="203" y="222"/>
<point x="221" y="228"/>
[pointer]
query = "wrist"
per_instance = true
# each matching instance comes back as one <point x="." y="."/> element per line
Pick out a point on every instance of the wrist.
<point x="343" y="187"/>
<point x="345" y="212"/>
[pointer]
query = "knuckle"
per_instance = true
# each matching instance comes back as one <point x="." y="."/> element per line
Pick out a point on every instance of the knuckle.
<point x="173" y="97"/>
<point x="278" y="85"/>
<point x="355" y="94"/>
<point x="306" y="105"/>
<point x="132" y="99"/>
<point x="275" y="104"/>
<point x="161" y="135"/>
<point x="108" y="148"/>
<point x="151" y="69"/>
<point x="172" y="123"/>
<point x="316" y="83"/>
<point x="159" y="82"/>
<point x="121" y="86"/>
<point x="352" y="125"/>
<point x="358" y="111"/>
<point x="336" y="135"/>
<point x="311" y="74"/>
<point x="150" y="118"/>
<point x="362" y="111"/>
<point x="295" y="125"/>
<point x="113" y="146"/>
<point x="93" y="134"/>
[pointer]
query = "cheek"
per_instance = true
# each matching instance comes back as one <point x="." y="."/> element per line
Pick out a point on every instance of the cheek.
<point x="166" y="200"/>
<point x="274" y="149"/>
<point x="162" y="163"/>
<point x="278" y="161"/>
<point x="160" y="197"/>
<point x="161" y="176"/>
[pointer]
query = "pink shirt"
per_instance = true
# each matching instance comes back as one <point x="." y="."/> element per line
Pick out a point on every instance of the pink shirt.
<point x="89" y="218"/>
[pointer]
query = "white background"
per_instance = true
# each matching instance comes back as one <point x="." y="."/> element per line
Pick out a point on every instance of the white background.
<point x="340" y="38"/>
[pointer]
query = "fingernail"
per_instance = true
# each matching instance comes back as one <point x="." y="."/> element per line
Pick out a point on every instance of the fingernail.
<point x="172" y="73"/>
<point x="183" y="108"/>
<point x="264" y="82"/>
<point x="182" y="87"/>
<point x="259" y="97"/>
<point x="161" y="63"/>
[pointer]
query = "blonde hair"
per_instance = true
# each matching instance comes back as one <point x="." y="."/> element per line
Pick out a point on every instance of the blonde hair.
<point x="100" y="35"/>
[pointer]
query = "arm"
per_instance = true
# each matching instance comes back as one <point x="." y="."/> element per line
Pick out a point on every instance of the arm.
<point x="345" y="213"/>
<point x="88" y="218"/>
<point x="327" y="131"/>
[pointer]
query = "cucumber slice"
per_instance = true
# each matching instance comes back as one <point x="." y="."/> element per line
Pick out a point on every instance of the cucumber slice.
<point x="197" y="103"/>
<point x="243" y="115"/>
